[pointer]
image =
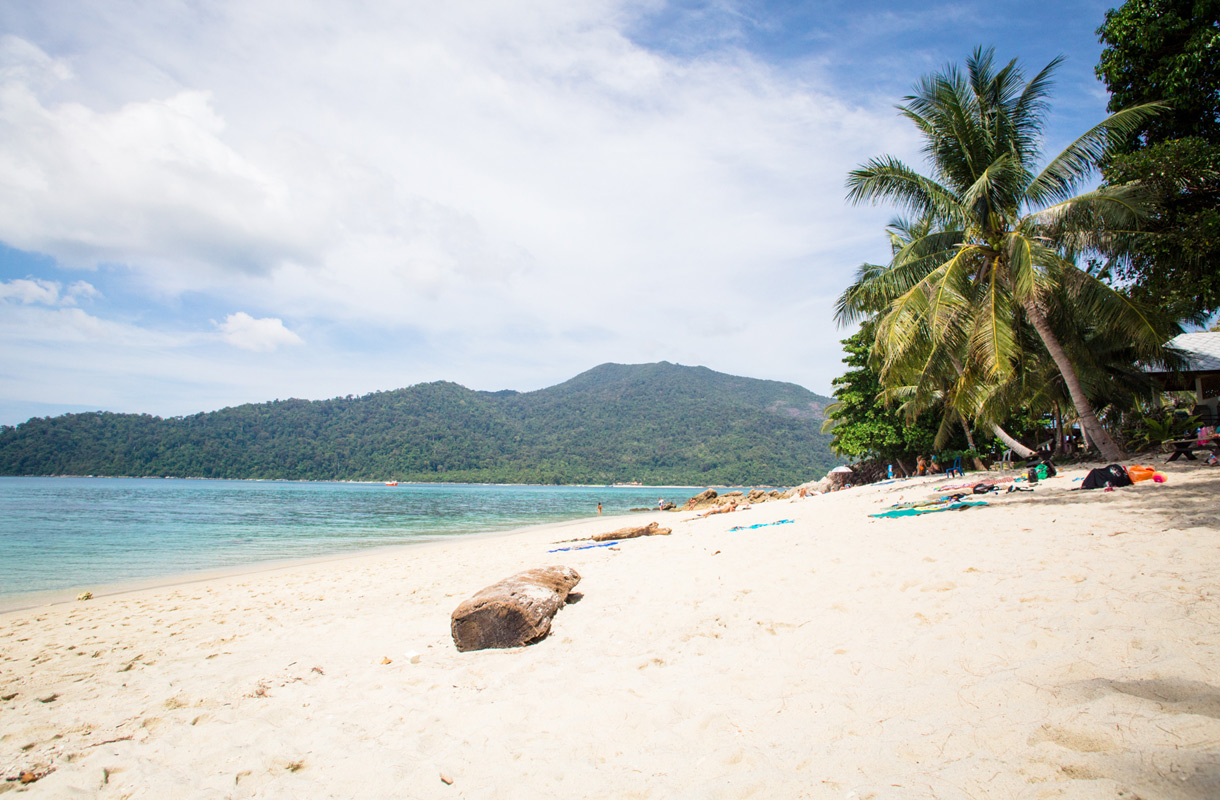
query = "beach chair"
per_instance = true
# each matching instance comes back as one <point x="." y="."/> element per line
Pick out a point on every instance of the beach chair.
<point x="955" y="470"/>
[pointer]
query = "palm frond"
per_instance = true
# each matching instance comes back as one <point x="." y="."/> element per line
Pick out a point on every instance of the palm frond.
<point x="887" y="178"/>
<point x="1101" y="221"/>
<point x="1144" y="329"/>
<point x="1059" y="178"/>
<point x="992" y="342"/>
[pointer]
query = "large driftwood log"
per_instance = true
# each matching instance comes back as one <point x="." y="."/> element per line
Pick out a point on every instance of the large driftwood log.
<point x="514" y="612"/>
<point x="651" y="529"/>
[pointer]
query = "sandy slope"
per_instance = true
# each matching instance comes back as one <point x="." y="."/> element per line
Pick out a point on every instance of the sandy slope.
<point x="1052" y="644"/>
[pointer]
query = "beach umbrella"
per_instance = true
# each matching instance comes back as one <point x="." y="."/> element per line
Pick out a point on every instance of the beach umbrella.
<point x="840" y="470"/>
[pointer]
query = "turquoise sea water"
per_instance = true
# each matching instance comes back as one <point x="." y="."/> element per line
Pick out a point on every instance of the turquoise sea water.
<point x="79" y="533"/>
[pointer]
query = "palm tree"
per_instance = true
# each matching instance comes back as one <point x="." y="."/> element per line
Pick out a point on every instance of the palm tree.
<point x="923" y="373"/>
<point x="1004" y="238"/>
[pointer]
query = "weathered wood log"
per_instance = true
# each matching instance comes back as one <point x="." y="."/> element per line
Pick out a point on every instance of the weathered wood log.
<point x="514" y="612"/>
<point x="651" y="529"/>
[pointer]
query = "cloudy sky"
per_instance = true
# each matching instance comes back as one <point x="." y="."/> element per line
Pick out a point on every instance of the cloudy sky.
<point x="206" y="203"/>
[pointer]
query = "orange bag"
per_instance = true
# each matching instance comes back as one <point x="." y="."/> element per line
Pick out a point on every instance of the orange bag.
<point x="1138" y="472"/>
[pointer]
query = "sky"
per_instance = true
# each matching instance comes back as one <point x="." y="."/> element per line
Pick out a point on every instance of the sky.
<point x="204" y="204"/>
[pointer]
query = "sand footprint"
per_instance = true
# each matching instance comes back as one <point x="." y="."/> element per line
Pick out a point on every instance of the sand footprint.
<point x="1078" y="739"/>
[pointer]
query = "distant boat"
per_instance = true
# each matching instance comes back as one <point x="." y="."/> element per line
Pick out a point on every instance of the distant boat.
<point x="391" y="483"/>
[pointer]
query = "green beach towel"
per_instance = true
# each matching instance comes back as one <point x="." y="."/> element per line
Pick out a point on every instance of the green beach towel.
<point x="911" y="512"/>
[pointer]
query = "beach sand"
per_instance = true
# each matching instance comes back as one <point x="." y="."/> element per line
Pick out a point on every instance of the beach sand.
<point x="1052" y="644"/>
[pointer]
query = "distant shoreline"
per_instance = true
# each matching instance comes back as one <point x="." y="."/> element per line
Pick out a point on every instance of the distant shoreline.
<point x="412" y="483"/>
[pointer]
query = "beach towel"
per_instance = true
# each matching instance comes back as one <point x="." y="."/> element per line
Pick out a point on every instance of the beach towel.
<point x="984" y="482"/>
<point x="911" y="512"/>
<point x="586" y="546"/>
<point x="760" y="525"/>
<point x="940" y="501"/>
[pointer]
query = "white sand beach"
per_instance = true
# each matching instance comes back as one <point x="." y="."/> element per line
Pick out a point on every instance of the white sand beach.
<point x="1052" y="644"/>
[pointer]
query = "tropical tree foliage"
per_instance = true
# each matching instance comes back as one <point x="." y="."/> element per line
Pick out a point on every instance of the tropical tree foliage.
<point x="1169" y="50"/>
<point x="1166" y="50"/>
<point x="1003" y="238"/>
<point x="863" y="425"/>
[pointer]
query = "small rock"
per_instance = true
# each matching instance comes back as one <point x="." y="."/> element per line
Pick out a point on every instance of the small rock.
<point x="85" y="596"/>
<point x="386" y="660"/>
<point x="445" y="779"/>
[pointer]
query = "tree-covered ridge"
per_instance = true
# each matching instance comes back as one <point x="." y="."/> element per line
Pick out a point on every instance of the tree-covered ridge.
<point x="653" y="423"/>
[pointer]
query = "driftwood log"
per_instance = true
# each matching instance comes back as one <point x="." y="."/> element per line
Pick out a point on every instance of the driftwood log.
<point x="651" y="529"/>
<point x="514" y="612"/>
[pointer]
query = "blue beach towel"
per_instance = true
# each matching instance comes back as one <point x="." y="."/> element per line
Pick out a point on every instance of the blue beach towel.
<point x="760" y="525"/>
<point x="584" y="547"/>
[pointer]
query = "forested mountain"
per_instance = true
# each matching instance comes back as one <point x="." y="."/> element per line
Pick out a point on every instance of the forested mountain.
<point x="652" y="423"/>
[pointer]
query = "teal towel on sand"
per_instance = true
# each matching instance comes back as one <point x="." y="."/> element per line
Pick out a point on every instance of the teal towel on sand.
<point x="760" y="525"/>
<point x="911" y="512"/>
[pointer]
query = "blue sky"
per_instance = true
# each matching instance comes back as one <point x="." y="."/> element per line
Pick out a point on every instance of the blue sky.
<point x="206" y="204"/>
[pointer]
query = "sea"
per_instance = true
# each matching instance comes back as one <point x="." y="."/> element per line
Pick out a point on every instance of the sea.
<point x="72" y="535"/>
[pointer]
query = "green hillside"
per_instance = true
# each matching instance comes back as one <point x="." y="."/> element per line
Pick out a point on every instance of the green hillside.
<point x="652" y="423"/>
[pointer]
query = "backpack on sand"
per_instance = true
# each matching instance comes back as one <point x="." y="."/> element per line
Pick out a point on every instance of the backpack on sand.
<point x="1100" y="478"/>
<point x="1040" y="471"/>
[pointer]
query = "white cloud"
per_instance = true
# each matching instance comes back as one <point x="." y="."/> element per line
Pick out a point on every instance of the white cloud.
<point x="518" y="187"/>
<point x="44" y="292"/>
<point x="260" y="335"/>
<point x="30" y="291"/>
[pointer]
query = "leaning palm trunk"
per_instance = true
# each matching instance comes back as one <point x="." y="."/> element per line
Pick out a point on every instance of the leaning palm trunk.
<point x="1001" y="434"/>
<point x="1110" y="451"/>
<point x="1007" y="438"/>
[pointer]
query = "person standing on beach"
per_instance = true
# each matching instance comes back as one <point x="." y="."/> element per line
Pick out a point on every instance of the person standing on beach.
<point x="599" y="509"/>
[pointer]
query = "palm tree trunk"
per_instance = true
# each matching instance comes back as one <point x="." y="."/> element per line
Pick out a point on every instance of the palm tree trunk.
<point x="1007" y="438"/>
<point x="1001" y="434"/>
<point x="978" y="462"/>
<point x="1059" y="431"/>
<point x="1084" y="409"/>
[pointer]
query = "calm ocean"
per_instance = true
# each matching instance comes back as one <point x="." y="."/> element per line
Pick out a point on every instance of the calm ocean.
<point x="60" y="534"/>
